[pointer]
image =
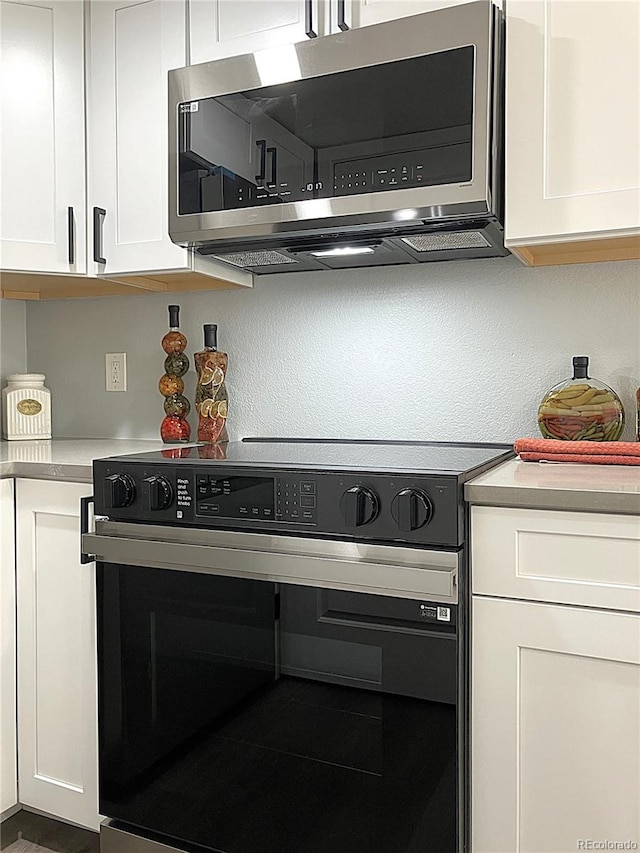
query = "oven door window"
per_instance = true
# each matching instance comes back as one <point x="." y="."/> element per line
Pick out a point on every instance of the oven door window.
<point x="396" y="125"/>
<point x="251" y="718"/>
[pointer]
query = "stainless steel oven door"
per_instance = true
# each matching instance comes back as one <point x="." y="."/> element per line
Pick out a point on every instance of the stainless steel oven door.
<point x="286" y="142"/>
<point x="272" y="694"/>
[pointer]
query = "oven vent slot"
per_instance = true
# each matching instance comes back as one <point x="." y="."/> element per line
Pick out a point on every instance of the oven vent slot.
<point x="451" y="240"/>
<point x="258" y="258"/>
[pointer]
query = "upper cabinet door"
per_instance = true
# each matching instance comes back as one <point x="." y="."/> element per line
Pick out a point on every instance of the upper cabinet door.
<point x="361" y="13"/>
<point x="573" y="120"/>
<point x="220" y="28"/>
<point x="42" y="164"/>
<point x="132" y="47"/>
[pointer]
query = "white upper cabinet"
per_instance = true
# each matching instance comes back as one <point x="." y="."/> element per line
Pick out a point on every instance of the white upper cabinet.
<point x="572" y="122"/>
<point x="361" y="13"/>
<point x="42" y="168"/>
<point x="132" y="47"/>
<point x="220" y="28"/>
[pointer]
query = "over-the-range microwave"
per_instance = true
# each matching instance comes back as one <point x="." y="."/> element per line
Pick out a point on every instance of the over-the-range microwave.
<point x="380" y="145"/>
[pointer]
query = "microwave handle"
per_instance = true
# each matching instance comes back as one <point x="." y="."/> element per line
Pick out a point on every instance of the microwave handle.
<point x="262" y="145"/>
<point x="273" y="152"/>
<point x="308" y="19"/>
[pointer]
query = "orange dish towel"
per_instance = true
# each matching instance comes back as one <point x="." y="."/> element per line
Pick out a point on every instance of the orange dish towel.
<point x="589" y="452"/>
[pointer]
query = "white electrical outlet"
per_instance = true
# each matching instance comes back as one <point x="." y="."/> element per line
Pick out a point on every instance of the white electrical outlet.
<point x="116" y="371"/>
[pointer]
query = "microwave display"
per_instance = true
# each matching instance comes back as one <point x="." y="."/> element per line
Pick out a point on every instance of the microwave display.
<point x="386" y="127"/>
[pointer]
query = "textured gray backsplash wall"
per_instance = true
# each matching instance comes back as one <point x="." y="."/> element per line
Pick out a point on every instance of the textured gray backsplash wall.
<point x="13" y="339"/>
<point x="453" y="351"/>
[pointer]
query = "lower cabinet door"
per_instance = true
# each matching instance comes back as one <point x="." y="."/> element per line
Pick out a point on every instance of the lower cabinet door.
<point x="57" y="692"/>
<point x="8" y="770"/>
<point x="555" y="728"/>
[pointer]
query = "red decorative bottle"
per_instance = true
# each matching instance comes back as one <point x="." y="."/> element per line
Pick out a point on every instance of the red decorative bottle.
<point x="175" y="426"/>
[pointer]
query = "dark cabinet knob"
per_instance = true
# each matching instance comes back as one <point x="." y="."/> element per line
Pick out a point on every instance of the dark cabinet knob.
<point x="411" y="509"/>
<point x="119" y="491"/>
<point x="158" y="493"/>
<point x="359" y="506"/>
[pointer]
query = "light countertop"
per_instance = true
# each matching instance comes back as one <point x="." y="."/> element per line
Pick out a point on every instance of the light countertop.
<point x="561" y="486"/>
<point x="65" y="458"/>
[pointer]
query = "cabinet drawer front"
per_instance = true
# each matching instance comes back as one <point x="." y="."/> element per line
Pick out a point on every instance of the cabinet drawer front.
<point x="578" y="558"/>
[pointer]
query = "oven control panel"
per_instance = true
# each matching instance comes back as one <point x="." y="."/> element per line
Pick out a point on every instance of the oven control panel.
<point x="382" y="507"/>
<point x="242" y="496"/>
<point x="296" y="499"/>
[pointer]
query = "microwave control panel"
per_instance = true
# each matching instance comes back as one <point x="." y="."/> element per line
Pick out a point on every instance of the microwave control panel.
<point x="402" y="169"/>
<point x="375" y="174"/>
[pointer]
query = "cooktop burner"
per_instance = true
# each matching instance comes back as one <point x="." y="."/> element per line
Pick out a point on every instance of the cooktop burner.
<point x="373" y="491"/>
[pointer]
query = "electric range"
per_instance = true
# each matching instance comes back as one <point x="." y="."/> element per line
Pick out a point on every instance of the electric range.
<point x="283" y="646"/>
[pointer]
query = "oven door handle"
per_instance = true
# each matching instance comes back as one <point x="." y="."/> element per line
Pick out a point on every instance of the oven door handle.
<point x="378" y="569"/>
<point x="85" y="503"/>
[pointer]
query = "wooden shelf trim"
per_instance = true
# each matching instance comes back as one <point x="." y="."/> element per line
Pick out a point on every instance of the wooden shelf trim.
<point x="579" y="252"/>
<point x="15" y="285"/>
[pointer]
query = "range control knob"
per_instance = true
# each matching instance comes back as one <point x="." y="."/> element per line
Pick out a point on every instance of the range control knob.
<point x="359" y="506"/>
<point x="119" y="491"/>
<point x="158" y="493"/>
<point x="411" y="509"/>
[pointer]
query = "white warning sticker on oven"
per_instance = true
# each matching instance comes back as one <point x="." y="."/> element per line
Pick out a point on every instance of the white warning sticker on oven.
<point x="444" y="614"/>
<point x="189" y="108"/>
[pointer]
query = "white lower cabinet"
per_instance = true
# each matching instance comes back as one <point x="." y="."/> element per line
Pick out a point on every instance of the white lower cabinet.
<point x="555" y="727"/>
<point x="57" y="683"/>
<point x="8" y="768"/>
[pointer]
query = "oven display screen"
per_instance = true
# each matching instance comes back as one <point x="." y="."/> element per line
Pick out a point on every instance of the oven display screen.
<point x="235" y="497"/>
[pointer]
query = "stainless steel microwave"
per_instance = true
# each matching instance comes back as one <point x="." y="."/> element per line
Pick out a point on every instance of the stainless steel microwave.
<point x="379" y="145"/>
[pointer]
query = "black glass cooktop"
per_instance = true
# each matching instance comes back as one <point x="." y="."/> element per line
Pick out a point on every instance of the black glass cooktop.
<point x="461" y="459"/>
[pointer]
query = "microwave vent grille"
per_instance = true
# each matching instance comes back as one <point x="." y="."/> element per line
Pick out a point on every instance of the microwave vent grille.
<point x="450" y="240"/>
<point x="259" y="258"/>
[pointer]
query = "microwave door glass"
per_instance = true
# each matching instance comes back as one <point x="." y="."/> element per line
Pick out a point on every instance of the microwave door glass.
<point x="397" y="125"/>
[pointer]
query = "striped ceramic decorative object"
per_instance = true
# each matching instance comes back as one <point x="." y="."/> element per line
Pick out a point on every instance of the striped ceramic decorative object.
<point x="26" y="407"/>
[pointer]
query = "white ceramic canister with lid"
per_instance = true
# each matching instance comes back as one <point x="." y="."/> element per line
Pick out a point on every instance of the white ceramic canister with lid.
<point x="26" y="407"/>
